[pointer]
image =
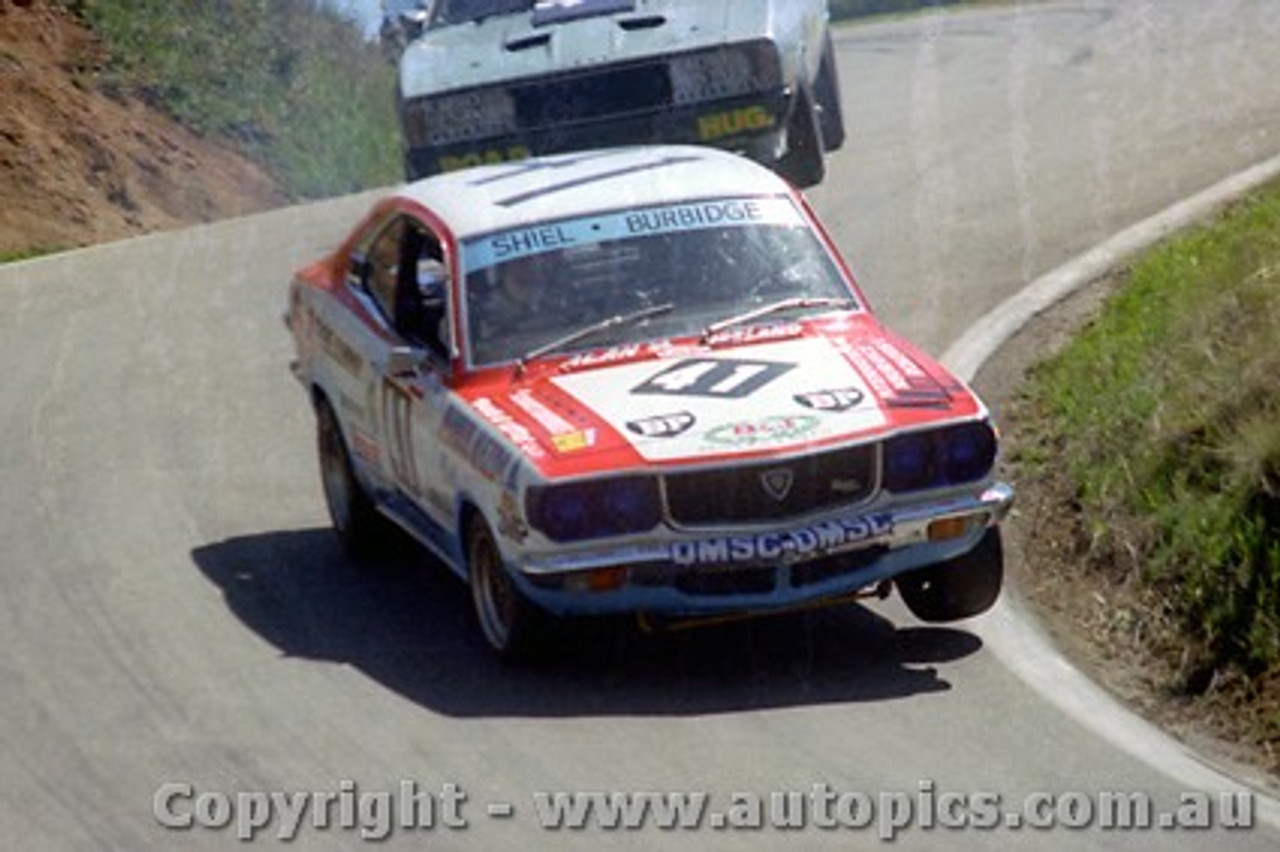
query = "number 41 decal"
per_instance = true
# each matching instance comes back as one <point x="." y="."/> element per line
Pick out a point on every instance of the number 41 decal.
<point x="713" y="377"/>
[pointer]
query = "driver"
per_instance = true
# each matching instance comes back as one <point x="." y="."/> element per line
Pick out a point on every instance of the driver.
<point x="519" y="297"/>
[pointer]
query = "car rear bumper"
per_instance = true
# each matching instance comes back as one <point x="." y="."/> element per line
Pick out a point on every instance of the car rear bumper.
<point x="776" y="569"/>
<point x="753" y="125"/>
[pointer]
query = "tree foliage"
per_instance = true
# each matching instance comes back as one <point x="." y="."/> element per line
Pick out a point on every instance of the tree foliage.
<point x="292" y="83"/>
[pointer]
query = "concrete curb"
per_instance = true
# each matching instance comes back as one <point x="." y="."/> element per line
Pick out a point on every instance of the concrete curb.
<point x="1010" y="632"/>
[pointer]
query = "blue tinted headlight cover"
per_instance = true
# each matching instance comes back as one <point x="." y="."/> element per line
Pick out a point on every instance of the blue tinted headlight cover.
<point x="953" y="455"/>
<point x="910" y="462"/>
<point x="575" y="511"/>
<point x="970" y="451"/>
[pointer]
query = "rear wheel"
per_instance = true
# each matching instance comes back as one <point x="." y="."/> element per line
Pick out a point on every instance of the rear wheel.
<point x="512" y="625"/>
<point x="958" y="588"/>
<point x="803" y="164"/>
<point x="355" y="519"/>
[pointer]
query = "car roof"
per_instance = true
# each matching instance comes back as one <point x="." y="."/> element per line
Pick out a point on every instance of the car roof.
<point x="517" y="194"/>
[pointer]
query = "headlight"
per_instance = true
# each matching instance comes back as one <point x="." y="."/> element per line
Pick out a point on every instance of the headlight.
<point x="448" y="119"/>
<point x="723" y="73"/>
<point x="594" y="509"/>
<point x="950" y="456"/>
<point x="910" y="462"/>
<point x="969" y="452"/>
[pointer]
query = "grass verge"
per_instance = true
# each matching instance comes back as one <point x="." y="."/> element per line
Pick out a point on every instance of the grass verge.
<point x="1157" y="432"/>
<point x="29" y="253"/>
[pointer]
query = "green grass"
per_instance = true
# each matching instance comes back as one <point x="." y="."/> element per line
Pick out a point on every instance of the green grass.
<point x="292" y="85"/>
<point x="28" y="253"/>
<point x="1165" y="413"/>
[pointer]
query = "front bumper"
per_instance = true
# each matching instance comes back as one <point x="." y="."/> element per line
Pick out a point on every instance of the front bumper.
<point x="753" y="125"/>
<point x="760" y="571"/>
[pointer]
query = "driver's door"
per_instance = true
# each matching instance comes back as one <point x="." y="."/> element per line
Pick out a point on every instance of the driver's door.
<point x="413" y="368"/>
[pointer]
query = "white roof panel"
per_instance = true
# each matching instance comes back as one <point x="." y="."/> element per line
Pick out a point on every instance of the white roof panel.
<point x="492" y="198"/>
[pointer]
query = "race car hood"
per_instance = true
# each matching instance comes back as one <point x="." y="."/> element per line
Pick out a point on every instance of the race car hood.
<point x="511" y="47"/>
<point x="653" y="406"/>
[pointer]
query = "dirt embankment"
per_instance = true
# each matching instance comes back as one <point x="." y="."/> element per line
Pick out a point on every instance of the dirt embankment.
<point x="78" y="166"/>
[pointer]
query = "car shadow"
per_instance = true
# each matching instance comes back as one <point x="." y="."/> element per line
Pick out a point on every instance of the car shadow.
<point x="406" y="622"/>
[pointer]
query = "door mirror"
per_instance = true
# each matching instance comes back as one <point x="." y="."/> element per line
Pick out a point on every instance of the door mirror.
<point x="405" y="360"/>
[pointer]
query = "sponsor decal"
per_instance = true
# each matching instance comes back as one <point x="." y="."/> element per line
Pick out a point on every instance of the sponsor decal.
<point x="364" y="446"/>
<point x="894" y="355"/>
<point x="517" y="432"/>
<point x="664" y="409"/>
<point x="688" y="217"/>
<point x="565" y="436"/>
<point x="754" y="334"/>
<point x="895" y="378"/>
<point x="572" y="442"/>
<point x="547" y="419"/>
<point x="841" y="399"/>
<point x="397" y="421"/>
<point x="735" y="122"/>
<point x="768" y="430"/>
<point x="487" y="157"/>
<point x="342" y="353"/>
<point x="663" y="425"/>
<point x="608" y="356"/>
<point x="464" y="436"/>
<point x="848" y="485"/>
<point x="787" y="546"/>
<point x="531" y="241"/>
<point x="486" y="251"/>
<point x="457" y="430"/>
<point x="879" y="384"/>
<point x="722" y="378"/>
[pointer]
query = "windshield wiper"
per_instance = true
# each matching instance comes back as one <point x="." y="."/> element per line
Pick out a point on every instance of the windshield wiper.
<point x="595" y="328"/>
<point x="794" y="303"/>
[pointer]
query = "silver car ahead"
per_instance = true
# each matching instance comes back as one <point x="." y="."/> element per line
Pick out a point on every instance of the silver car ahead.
<point x="486" y="81"/>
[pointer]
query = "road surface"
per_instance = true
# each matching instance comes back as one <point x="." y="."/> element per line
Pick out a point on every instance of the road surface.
<point x="183" y="637"/>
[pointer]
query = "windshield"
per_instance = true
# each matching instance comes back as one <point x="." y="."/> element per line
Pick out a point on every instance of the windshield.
<point x="448" y="12"/>
<point x="709" y="260"/>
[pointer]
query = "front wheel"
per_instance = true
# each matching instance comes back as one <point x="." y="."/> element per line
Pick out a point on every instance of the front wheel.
<point x="958" y="588"/>
<point x="512" y="625"/>
<point x="355" y="519"/>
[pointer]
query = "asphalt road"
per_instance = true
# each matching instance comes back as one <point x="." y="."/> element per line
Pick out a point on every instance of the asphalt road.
<point x="175" y="612"/>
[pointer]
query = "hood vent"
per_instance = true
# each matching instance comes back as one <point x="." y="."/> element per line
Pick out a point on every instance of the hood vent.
<point x="525" y="42"/>
<point x="647" y="22"/>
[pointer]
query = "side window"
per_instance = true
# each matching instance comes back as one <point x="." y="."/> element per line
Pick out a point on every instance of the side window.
<point x="385" y="267"/>
<point x="433" y="301"/>
<point x="409" y="279"/>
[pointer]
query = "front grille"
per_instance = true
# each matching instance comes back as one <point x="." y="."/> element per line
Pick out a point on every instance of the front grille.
<point x="771" y="490"/>
<point x="830" y="567"/>
<point x="602" y="94"/>
<point x="740" y="581"/>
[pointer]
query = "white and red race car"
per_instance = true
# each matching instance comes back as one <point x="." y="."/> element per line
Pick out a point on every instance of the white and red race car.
<point x="638" y="380"/>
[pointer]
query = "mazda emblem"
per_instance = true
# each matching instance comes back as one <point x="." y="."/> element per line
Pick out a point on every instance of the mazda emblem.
<point x="777" y="482"/>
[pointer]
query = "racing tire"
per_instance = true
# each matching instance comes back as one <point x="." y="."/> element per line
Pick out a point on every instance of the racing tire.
<point x="355" y="519"/>
<point x="826" y="91"/>
<point x="803" y="164"/>
<point x="958" y="588"/>
<point x="511" y="624"/>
